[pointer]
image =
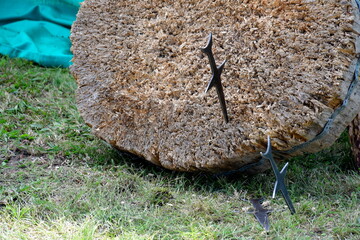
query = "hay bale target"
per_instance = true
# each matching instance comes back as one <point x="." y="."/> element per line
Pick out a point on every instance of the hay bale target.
<point x="290" y="74"/>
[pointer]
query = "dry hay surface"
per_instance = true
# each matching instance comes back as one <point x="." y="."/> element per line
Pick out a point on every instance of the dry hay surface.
<point x="142" y="76"/>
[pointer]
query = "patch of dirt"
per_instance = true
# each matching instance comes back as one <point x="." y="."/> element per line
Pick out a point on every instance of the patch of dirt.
<point x="18" y="156"/>
<point x="23" y="158"/>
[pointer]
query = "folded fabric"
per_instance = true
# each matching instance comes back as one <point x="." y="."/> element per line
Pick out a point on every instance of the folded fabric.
<point x="38" y="30"/>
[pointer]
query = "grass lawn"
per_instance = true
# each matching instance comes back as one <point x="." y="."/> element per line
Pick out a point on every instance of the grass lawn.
<point x="57" y="181"/>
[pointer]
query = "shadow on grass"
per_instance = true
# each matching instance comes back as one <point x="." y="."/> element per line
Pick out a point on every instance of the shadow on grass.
<point x="307" y="174"/>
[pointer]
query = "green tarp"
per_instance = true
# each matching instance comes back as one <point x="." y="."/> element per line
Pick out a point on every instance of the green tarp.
<point x="38" y="30"/>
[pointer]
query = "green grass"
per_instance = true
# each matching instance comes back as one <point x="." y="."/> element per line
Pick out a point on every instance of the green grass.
<point x="57" y="181"/>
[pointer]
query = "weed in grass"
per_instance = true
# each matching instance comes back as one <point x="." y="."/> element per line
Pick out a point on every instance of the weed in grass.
<point x="17" y="212"/>
<point x="160" y="196"/>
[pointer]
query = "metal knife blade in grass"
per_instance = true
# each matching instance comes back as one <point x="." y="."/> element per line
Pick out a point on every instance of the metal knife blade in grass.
<point x="280" y="177"/>
<point x="215" y="80"/>
<point x="261" y="213"/>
